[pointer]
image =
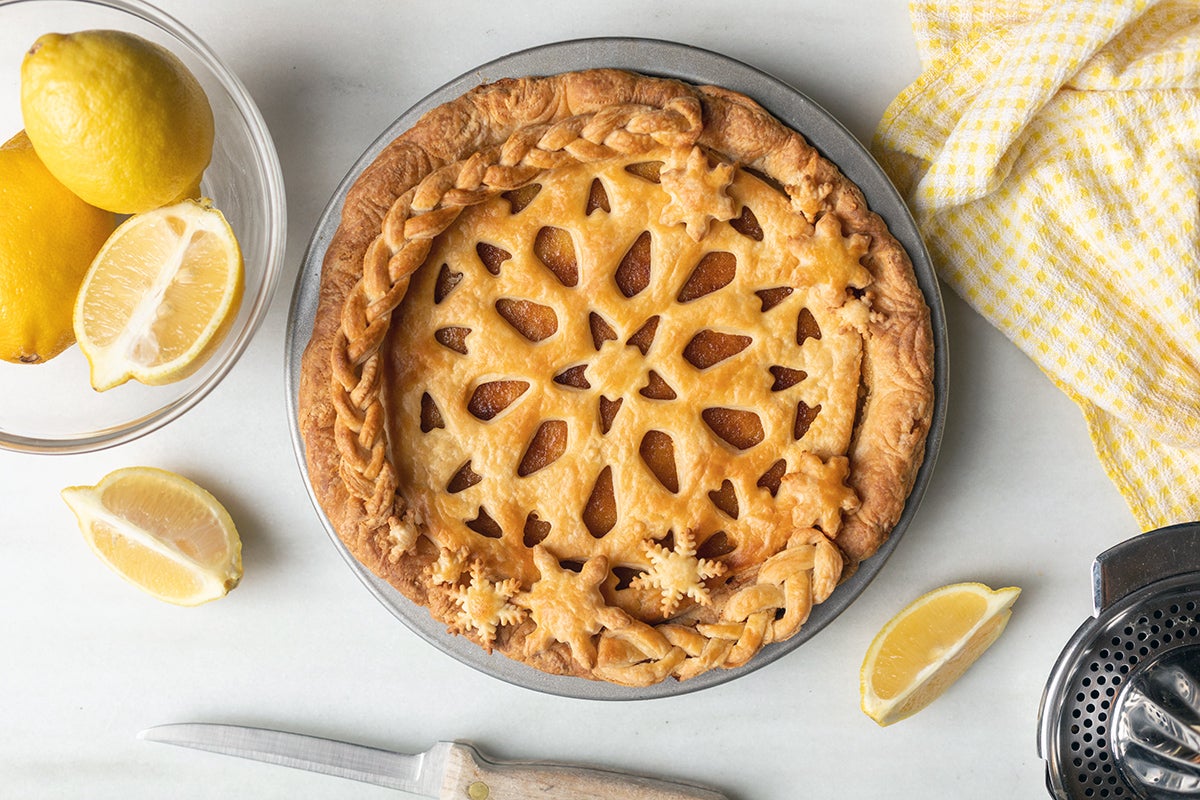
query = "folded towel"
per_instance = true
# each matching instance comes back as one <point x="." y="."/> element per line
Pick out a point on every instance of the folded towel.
<point x="1050" y="153"/>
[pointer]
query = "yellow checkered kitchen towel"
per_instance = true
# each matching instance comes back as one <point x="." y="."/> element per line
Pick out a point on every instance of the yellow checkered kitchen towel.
<point x="1050" y="153"/>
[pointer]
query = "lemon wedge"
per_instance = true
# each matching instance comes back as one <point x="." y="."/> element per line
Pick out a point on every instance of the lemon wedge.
<point x="925" y="648"/>
<point x="159" y="295"/>
<point x="161" y="532"/>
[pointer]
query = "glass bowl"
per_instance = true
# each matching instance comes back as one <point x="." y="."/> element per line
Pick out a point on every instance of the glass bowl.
<point x="51" y="407"/>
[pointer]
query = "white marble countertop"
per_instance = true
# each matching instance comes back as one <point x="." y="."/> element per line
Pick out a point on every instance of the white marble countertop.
<point x="86" y="661"/>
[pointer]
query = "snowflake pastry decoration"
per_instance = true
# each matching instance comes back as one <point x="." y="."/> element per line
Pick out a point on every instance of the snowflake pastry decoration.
<point x="678" y="573"/>
<point x="484" y="605"/>
<point x="697" y="192"/>
<point x="810" y="198"/>
<point x="449" y="567"/>
<point x="401" y="535"/>
<point x="568" y="606"/>
<point x="816" y="493"/>
<point x="840" y="258"/>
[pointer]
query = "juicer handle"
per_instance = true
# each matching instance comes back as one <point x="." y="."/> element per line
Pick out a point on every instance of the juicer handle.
<point x="1142" y="560"/>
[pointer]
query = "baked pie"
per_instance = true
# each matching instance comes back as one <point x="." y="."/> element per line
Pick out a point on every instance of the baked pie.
<point x="616" y="375"/>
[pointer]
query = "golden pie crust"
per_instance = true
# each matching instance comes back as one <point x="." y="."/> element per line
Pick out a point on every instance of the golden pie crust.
<point x="615" y="374"/>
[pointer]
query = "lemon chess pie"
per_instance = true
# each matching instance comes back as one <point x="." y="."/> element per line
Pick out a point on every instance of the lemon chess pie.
<point x="615" y="374"/>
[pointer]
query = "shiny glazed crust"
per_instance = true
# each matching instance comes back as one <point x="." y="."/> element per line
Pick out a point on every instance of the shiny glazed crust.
<point x="380" y="470"/>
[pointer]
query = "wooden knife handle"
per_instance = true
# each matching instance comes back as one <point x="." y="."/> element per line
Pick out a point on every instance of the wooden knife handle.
<point x="471" y="776"/>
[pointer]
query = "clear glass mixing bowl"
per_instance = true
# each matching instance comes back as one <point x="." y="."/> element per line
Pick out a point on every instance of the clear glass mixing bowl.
<point x="51" y="407"/>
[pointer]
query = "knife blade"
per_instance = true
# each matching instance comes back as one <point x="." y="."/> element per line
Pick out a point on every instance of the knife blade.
<point x="447" y="771"/>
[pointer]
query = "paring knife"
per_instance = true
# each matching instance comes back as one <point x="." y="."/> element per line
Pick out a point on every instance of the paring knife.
<point x="448" y="770"/>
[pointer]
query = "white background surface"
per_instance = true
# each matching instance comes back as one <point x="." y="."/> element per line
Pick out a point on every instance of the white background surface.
<point x="86" y="661"/>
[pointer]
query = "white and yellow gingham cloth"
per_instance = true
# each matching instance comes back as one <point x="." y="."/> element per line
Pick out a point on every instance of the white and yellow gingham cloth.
<point x="1050" y="153"/>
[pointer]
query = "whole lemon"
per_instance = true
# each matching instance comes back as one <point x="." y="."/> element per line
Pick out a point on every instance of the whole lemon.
<point x="119" y="120"/>
<point x="48" y="238"/>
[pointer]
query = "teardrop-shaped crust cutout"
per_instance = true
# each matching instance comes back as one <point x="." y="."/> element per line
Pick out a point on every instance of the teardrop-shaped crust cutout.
<point x="490" y="398"/>
<point x="656" y="388"/>
<point x="715" y="270"/>
<point x="773" y="477"/>
<point x="574" y="377"/>
<point x="484" y="525"/>
<point x="646" y="170"/>
<point x="532" y="320"/>
<point x="548" y="444"/>
<point x="805" y="416"/>
<point x="712" y="347"/>
<point x="600" y="512"/>
<point x="773" y="297"/>
<point x="431" y="415"/>
<point x="454" y="338"/>
<point x="608" y="412"/>
<point x="786" y="377"/>
<point x="726" y="499"/>
<point x="597" y="198"/>
<point x="742" y="429"/>
<point x="554" y="248"/>
<point x="601" y="331"/>
<point x="464" y="478"/>
<point x="717" y="545"/>
<point x="806" y="326"/>
<point x="658" y="451"/>
<point x="492" y="256"/>
<point x="747" y="225"/>
<point x="643" y="337"/>
<point x="633" y="273"/>
<point x="536" y="530"/>
<point x="520" y="197"/>
<point x="447" y="279"/>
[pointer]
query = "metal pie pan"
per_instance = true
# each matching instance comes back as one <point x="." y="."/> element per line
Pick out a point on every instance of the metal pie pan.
<point x="696" y="66"/>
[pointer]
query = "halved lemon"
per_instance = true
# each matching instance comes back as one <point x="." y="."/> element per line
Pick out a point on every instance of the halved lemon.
<point x="161" y="532"/>
<point x="160" y="295"/>
<point x="925" y="648"/>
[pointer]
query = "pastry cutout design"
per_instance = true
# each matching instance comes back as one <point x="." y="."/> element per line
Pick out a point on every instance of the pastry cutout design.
<point x="597" y="198"/>
<point x="678" y="573"/>
<point x="568" y="607"/>
<point x="532" y="320"/>
<point x="485" y="605"/>
<point x="492" y="257"/>
<point x="697" y="191"/>
<point x="714" y="271"/>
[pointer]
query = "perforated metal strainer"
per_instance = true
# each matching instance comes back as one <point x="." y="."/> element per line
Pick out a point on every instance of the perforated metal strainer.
<point x="1120" y="715"/>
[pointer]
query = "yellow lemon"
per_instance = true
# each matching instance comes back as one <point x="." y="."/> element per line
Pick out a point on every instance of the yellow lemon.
<point x="925" y="648"/>
<point x="48" y="237"/>
<point x="161" y="532"/>
<point x="119" y="120"/>
<point x="160" y="295"/>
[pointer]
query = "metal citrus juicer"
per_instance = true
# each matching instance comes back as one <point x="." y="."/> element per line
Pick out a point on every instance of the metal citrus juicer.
<point x="1120" y="715"/>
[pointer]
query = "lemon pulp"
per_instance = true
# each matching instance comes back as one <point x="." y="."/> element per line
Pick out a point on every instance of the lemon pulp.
<point x="160" y="296"/>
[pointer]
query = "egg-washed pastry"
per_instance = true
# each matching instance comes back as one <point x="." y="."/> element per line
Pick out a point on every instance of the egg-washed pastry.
<point x="616" y="375"/>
